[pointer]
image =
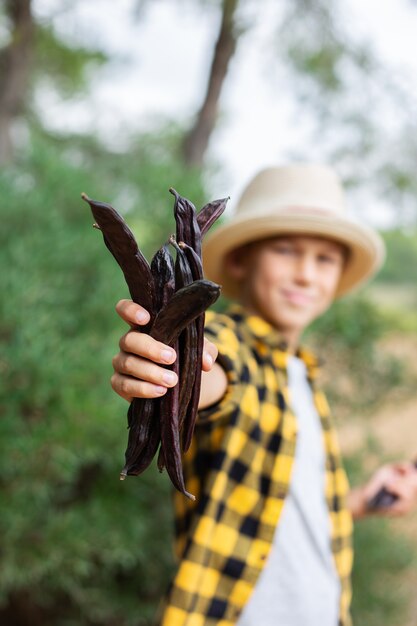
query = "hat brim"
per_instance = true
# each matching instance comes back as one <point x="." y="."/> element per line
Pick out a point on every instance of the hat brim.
<point x="367" y="250"/>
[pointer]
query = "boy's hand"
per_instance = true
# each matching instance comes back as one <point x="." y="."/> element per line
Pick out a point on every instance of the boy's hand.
<point x="138" y="367"/>
<point x="400" y="479"/>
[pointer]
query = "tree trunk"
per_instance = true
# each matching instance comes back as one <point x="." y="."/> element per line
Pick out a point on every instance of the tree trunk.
<point x="15" y="62"/>
<point x="197" y="139"/>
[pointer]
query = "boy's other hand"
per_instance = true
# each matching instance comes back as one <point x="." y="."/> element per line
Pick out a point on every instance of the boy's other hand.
<point x="400" y="479"/>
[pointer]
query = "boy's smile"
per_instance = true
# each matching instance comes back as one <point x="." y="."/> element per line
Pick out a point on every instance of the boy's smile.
<point x="288" y="280"/>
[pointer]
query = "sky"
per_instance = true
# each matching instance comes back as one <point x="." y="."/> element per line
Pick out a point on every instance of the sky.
<point x="160" y="66"/>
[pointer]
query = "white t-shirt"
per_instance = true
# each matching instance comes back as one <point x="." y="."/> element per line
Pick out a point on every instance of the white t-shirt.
<point x="299" y="585"/>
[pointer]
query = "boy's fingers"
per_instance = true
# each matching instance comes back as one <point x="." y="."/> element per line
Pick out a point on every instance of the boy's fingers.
<point x="210" y="353"/>
<point x="405" y="468"/>
<point x="147" y="347"/>
<point x="132" y="313"/>
<point x="129" y="388"/>
<point x="131" y="365"/>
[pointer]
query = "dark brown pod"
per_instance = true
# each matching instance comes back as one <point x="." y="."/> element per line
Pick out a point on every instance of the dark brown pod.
<point x="144" y="420"/>
<point x="140" y="457"/>
<point x="190" y="415"/>
<point x="194" y="261"/>
<point x="170" y="436"/>
<point x="185" y="305"/>
<point x="120" y="241"/>
<point x="160" y="463"/>
<point x="188" y="339"/>
<point x="141" y="420"/>
<point x="163" y="272"/>
<point x="187" y="228"/>
<point x="210" y="213"/>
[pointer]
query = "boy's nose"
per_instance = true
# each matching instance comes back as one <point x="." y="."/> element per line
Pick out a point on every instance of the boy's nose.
<point x="305" y="270"/>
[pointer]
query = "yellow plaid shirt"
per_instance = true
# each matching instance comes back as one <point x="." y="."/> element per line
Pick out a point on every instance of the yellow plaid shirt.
<point x="239" y="468"/>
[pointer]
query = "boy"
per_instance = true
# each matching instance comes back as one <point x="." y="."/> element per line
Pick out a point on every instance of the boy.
<point x="268" y="539"/>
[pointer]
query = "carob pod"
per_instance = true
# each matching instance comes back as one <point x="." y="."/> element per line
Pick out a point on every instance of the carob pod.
<point x="160" y="462"/>
<point x="188" y="339"/>
<point x="194" y="261"/>
<point x="185" y="305"/>
<point x="144" y="422"/>
<point x="187" y="228"/>
<point x="192" y="409"/>
<point x="210" y="213"/>
<point x="183" y="274"/>
<point x="163" y="270"/>
<point x="141" y="423"/>
<point x="121" y="242"/>
<point x="144" y="443"/>
<point x="170" y="438"/>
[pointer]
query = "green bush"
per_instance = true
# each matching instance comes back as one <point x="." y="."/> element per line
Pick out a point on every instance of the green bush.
<point x="69" y="529"/>
<point x="348" y="337"/>
<point x="401" y="261"/>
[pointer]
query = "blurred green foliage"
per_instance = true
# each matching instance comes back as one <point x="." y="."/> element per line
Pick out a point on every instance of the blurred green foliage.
<point x="353" y="322"/>
<point x="69" y="528"/>
<point x="62" y="65"/>
<point x="401" y="263"/>
<point x="348" y="338"/>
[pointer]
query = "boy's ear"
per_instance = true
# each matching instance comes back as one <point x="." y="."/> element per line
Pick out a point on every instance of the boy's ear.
<point x="235" y="263"/>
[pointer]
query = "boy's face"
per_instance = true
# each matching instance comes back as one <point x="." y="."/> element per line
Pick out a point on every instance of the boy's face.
<point x="289" y="280"/>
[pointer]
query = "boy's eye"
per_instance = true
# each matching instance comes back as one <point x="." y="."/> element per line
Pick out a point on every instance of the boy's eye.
<point x="329" y="258"/>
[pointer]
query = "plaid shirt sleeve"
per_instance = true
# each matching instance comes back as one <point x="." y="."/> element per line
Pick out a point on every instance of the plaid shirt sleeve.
<point x="239" y="468"/>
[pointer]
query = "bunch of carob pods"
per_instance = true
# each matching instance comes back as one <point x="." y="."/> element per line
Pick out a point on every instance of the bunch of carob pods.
<point x="176" y="295"/>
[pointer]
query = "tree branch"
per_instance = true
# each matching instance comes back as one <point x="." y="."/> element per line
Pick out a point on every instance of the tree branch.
<point x="15" y="61"/>
<point x="197" y="139"/>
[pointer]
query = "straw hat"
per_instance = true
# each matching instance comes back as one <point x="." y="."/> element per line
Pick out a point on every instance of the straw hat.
<point x="294" y="199"/>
